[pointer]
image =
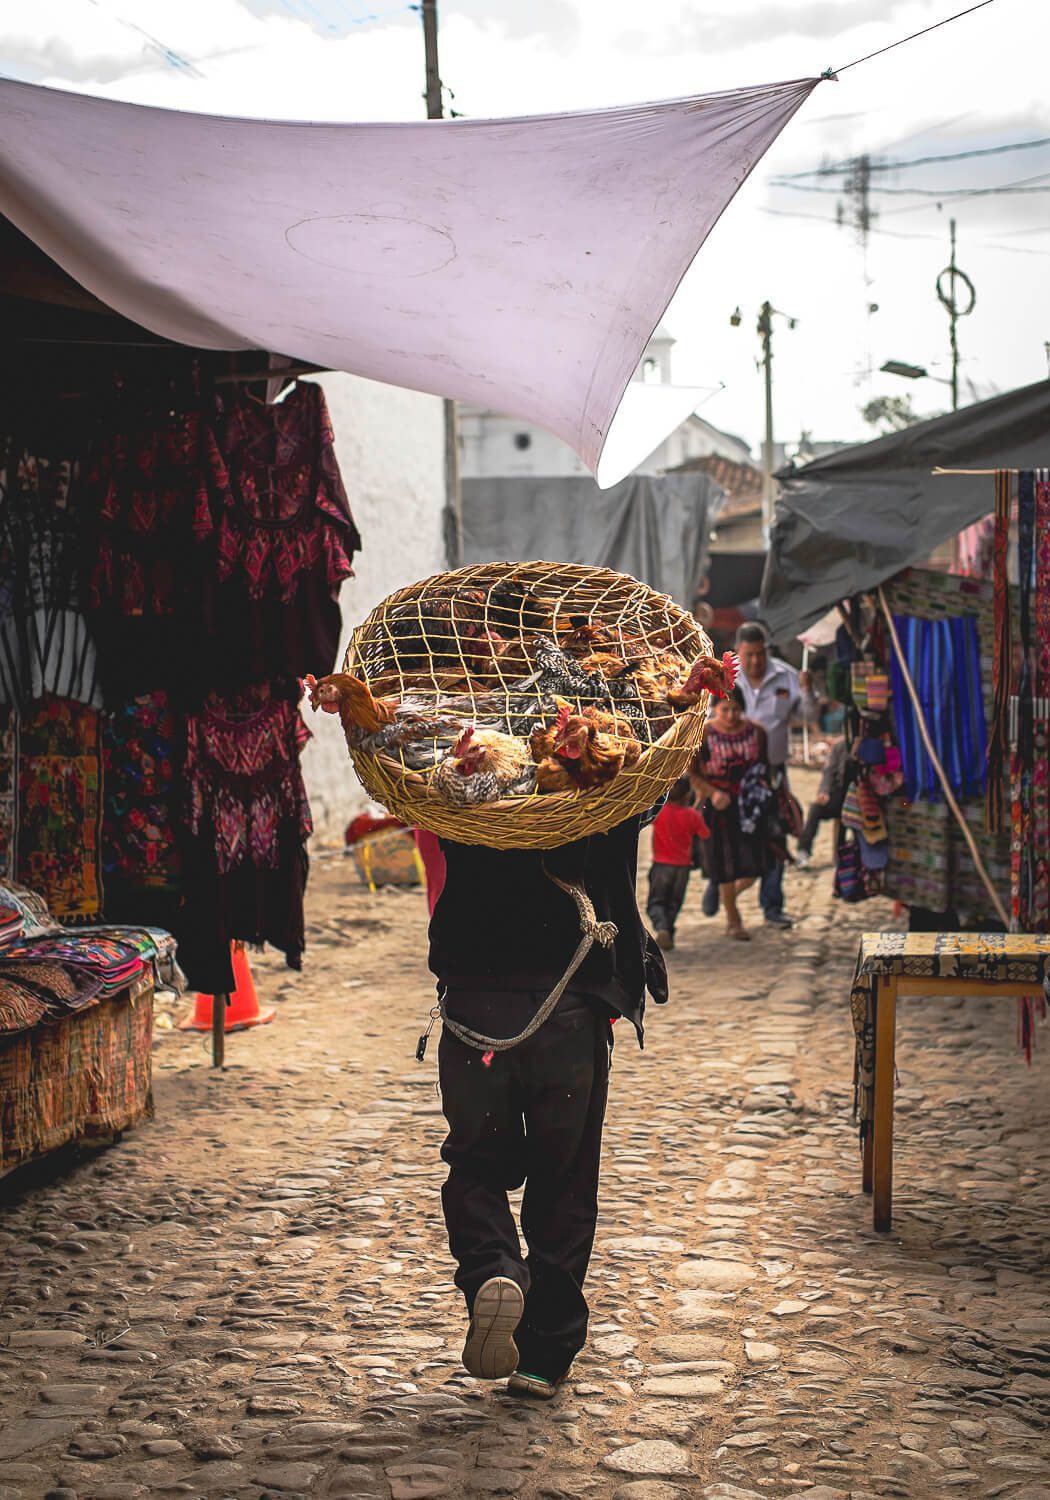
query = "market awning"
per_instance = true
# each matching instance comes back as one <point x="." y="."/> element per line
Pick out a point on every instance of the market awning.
<point x="847" y="522"/>
<point x="518" y="264"/>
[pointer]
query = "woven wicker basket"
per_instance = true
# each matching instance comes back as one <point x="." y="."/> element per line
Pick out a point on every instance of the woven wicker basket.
<point x="394" y="651"/>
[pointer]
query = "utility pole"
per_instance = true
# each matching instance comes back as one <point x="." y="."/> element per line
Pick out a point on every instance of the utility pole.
<point x="947" y="293"/>
<point x="435" y="111"/>
<point x="765" y="333"/>
<point x="766" y="313"/>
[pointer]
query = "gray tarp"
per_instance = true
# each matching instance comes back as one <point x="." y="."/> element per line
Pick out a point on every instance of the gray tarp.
<point x="847" y="522"/>
<point x="655" y="527"/>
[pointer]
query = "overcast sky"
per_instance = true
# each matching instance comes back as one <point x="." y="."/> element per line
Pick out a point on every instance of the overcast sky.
<point x="977" y="84"/>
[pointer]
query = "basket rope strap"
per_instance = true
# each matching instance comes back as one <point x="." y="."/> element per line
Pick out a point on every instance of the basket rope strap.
<point x="592" y="931"/>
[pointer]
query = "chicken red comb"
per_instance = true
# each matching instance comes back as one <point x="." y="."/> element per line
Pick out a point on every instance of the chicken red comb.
<point x="731" y="667"/>
<point x="561" y="722"/>
<point x="462" y="745"/>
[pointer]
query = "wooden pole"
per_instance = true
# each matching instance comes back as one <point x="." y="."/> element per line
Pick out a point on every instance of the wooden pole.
<point x="218" y="1030"/>
<point x="882" y="1126"/>
<point x="435" y="111"/>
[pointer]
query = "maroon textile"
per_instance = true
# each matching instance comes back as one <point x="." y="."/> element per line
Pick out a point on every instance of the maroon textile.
<point x="285" y="513"/>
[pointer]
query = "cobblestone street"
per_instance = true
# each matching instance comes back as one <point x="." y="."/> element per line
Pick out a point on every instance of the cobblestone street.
<point x="252" y="1295"/>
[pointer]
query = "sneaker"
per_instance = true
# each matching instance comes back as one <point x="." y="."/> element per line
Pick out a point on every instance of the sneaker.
<point x="779" y="919"/>
<point x="490" y="1352"/>
<point x="709" y="905"/>
<point x="803" y="859"/>
<point x="534" y="1387"/>
<point x="665" y="939"/>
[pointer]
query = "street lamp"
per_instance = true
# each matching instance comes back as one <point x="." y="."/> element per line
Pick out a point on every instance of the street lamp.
<point x="911" y="372"/>
<point x="908" y="372"/>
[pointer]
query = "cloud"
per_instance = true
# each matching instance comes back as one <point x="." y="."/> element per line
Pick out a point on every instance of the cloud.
<point x="556" y="20"/>
<point x="743" y="25"/>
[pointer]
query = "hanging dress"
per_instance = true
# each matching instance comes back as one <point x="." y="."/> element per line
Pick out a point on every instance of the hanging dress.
<point x="249" y="821"/>
<point x="285" y="541"/>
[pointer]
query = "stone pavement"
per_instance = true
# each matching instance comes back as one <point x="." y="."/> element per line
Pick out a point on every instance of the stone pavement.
<point x="251" y="1297"/>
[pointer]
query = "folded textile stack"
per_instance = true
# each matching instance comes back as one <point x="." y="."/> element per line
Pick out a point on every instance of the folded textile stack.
<point x="36" y="918"/>
<point x="12" y="923"/>
<point x="153" y="945"/>
<point x="61" y="988"/>
<point x="114" y="964"/>
<point x="20" y="1008"/>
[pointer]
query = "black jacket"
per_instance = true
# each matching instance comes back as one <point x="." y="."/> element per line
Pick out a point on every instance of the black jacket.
<point x="501" y="924"/>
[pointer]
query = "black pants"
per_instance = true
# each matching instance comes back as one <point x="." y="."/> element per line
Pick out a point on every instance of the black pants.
<point x="819" y="812"/>
<point x="533" y="1115"/>
<point x="667" y="884"/>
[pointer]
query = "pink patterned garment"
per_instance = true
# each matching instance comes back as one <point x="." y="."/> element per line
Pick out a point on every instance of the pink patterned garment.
<point x="245" y="782"/>
<point x="285" y="514"/>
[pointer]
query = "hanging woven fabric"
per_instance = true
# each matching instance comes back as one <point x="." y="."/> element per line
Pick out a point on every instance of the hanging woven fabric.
<point x="1021" y="754"/>
<point x="1041" y="715"/>
<point x="997" y="739"/>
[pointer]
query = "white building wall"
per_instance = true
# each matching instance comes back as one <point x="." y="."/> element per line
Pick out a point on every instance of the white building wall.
<point x="390" y="444"/>
<point x="491" y="444"/>
<point x="494" y="446"/>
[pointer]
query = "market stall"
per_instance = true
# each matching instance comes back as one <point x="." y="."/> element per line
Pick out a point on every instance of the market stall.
<point x="946" y="680"/>
<point x="172" y="545"/>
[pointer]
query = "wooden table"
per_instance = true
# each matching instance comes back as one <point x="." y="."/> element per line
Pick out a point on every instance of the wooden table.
<point x="896" y="965"/>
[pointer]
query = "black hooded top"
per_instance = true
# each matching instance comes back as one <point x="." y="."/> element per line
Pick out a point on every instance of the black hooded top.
<point x="502" y="925"/>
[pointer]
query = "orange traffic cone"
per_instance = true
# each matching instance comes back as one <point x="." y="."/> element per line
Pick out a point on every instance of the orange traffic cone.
<point x="243" y="1010"/>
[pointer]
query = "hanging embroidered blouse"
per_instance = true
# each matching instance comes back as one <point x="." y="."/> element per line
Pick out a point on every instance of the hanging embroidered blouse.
<point x="285" y="514"/>
<point x="245" y="782"/>
<point x="250" y="819"/>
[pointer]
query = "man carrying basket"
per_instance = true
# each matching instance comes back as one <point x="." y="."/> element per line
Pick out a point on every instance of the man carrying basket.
<point x="508" y="708"/>
<point x="503" y="932"/>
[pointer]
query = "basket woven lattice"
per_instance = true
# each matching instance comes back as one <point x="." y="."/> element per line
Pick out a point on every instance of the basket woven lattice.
<point x="468" y="638"/>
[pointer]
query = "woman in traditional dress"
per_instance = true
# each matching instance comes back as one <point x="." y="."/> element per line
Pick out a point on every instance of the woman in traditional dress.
<point x="729" y="774"/>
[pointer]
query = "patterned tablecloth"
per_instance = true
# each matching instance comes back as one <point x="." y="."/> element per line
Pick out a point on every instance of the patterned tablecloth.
<point x="996" y="957"/>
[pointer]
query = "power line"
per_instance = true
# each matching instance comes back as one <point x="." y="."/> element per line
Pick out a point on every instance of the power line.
<point x="833" y="72"/>
<point x="168" y="55"/>
<point x="917" y="161"/>
<point x="903" y="234"/>
<point x="1021" y="186"/>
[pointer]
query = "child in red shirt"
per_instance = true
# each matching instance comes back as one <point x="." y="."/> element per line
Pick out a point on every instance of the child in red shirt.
<point x="677" y="824"/>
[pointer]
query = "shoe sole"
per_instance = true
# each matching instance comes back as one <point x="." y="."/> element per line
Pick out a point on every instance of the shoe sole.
<point x="490" y="1352"/>
<point x="532" y="1390"/>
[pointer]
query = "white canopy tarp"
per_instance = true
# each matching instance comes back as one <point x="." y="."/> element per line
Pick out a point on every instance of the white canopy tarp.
<point x="517" y="264"/>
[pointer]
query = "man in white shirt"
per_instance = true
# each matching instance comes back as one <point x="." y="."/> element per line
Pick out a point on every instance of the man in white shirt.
<point x="774" y="694"/>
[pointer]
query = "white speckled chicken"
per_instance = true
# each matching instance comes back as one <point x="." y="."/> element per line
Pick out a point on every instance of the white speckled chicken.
<point x="483" y="766"/>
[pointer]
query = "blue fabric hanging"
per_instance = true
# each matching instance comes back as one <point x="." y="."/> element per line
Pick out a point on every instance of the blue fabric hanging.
<point x="944" y="659"/>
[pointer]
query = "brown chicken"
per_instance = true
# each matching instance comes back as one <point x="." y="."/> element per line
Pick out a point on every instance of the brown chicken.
<point x="707" y="674"/>
<point x="350" y="698"/>
<point x="544" y="741"/>
<point x="583" y="750"/>
<point x="412" y="728"/>
<point x="605" y="662"/>
<point x="584" y="636"/>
